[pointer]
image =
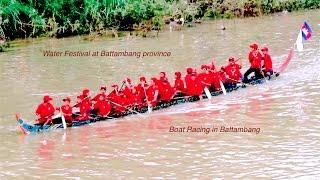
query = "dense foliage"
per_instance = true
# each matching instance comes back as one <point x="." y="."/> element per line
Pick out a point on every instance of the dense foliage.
<point x="32" y="18"/>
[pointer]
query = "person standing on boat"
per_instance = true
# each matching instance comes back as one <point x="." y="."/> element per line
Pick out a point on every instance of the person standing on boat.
<point x="45" y="111"/>
<point x="267" y="62"/>
<point x="255" y="60"/>
<point x="66" y="109"/>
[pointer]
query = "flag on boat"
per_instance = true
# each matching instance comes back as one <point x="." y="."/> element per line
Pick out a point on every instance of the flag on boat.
<point x="305" y="34"/>
<point x="306" y="31"/>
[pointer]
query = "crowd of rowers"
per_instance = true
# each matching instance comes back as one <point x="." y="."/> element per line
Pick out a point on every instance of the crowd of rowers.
<point x="158" y="90"/>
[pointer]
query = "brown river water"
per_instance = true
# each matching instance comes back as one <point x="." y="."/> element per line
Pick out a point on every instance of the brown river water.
<point x="287" y="109"/>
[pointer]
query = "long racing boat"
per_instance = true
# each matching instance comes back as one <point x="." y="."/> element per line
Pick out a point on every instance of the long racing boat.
<point x="27" y="128"/>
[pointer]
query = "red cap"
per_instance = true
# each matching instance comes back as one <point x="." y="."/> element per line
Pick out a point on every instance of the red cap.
<point x="66" y="99"/>
<point x="142" y="78"/>
<point x="254" y="46"/>
<point x="178" y="74"/>
<point x="114" y="86"/>
<point x="128" y="79"/>
<point x="189" y="70"/>
<point x="47" y="98"/>
<point x="203" y="66"/>
<point x="265" y="49"/>
<point x="85" y="91"/>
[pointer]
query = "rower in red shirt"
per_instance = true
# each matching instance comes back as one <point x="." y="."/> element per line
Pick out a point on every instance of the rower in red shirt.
<point x="102" y="107"/>
<point x="193" y="83"/>
<point x="215" y="78"/>
<point x="140" y="90"/>
<point x="255" y="60"/>
<point x="115" y="98"/>
<point x="103" y="90"/>
<point x="233" y="73"/>
<point x="166" y="91"/>
<point x="205" y="77"/>
<point x="267" y="62"/>
<point x="179" y="85"/>
<point x="66" y="109"/>
<point x="45" y="111"/>
<point x="84" y="108"/>
<point x="152" y="92"/>
<point x="128" y="92"/>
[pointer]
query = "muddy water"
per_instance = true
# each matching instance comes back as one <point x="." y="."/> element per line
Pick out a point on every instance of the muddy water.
<point x="286" y="110"/>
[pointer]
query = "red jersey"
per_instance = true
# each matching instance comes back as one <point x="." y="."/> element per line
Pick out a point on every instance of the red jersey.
<point x="97" y="97"/>
<point x="267" y="62"/>
<point x="233" y="71"/>
<point x="179" y="85"/>
<point x="205" y="79"/>
<point x="140" y="93"/>
<point x="103" y="108"/>
<point x="151" y="92"/>
<point x="129" y="96"/>
<point x="67" y="112"/>
<point x="216" y="78"/>
<point x="45" y="111"/>
<point x="166" y="91"/>
<point x="193" y="85"/>
<point x="255" y="59"/>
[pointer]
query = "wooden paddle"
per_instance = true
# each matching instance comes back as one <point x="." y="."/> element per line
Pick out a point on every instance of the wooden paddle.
<point x="148" y="103"/>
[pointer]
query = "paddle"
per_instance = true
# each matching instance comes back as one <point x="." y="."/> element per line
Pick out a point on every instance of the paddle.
<point x="148" y="103"/>
<point x="207" y="92"/>
<point x="223" y="88"/>
<point x="125" y="108"/>
<point x="63" y="119"/>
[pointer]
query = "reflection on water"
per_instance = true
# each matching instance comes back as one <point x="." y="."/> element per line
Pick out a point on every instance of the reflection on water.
<point x="286" y="109"/>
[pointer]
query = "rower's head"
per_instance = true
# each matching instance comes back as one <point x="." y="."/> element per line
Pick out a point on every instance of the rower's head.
<point x="189" y="70"/>
<point x="231" y="60"/>
<point x="66" y="101"/>
<point x="79" y="99"/>
<point x="265" y="50"/>
<point x="178" y="75"/>
<point x="47" y="99"/>
<point x="142" y="80"/>
<point x="162" y="74"/>
<point x="153" y="81"/>
<point x="115" y="87"/>
<point x="103" y="89"/>
<point x="254" y="46"/>
<point x="86" y="92"/>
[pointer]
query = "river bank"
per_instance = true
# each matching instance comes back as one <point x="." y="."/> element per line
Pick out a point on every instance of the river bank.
<point x="20" y="19"/>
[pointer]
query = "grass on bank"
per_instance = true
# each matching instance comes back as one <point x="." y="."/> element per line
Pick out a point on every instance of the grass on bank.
<point x="60" y="18"/>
